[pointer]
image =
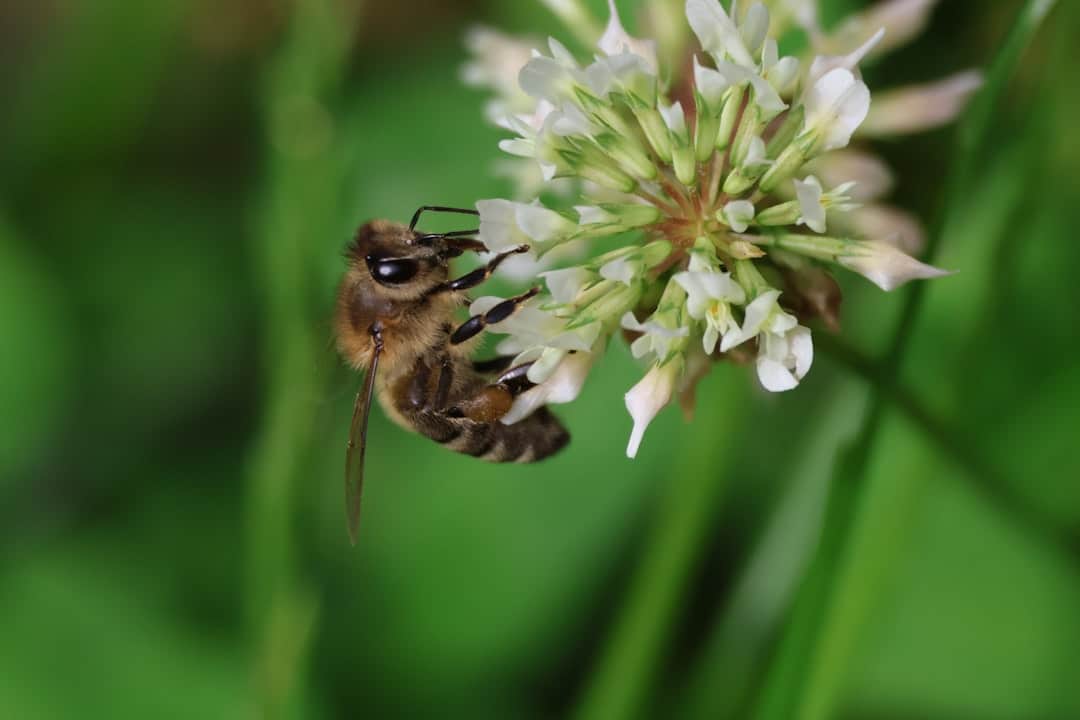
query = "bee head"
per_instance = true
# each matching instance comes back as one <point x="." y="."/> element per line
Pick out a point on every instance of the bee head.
<point x="395" y="262"/>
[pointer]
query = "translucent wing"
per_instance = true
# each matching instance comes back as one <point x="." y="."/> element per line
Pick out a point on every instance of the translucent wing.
<point x="354" y="455"/>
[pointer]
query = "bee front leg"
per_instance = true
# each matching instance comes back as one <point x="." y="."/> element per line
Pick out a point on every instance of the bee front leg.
<point x="480" y="274"/>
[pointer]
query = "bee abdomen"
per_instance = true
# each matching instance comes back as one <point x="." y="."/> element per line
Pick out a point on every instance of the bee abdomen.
<point x="529" y="440"/>
<point x="533" y="438"/>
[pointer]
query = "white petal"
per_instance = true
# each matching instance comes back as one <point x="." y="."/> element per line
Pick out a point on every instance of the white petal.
<point x="822" y="64"/>
<point x="562" y="386"/>
<point x="755" y="153"/>
<point x="755" y="316"/>
<point x="498" y="228"/>
<point x="710" y="83"/>
<point x="802" y="347"/>
<point x="887" y="267"/>
<point x="813" y="212"/>
<point x="616" y="40"/>
<point x="523" y="268"/>
<point x="593" y="215"/>
<point x="871" y="175"/>
<point x="543" y="367"/>
<point x="774" y="375"/>
<point x="481" y="305"/>
<point x="765" y="96"/>
<point x="518" y="147"/>
<point x="545" y="78"/>
<point x="542" y="225"/>
<point x="565" y="284"/>
<point x="754" y="27"/>
<point x="630" y="322"/>
<point x="561" y="54"/>
<point x="570" y="120"/>
<point x="722" y="286"/>
<point x="697" y="298"/>
<point x="889" y="224"/>
<point x="716" y="31"/>
<point x="836" y="105"/>
<point x="739" y="214"/>
<point x="921" y="107"/>
<point x="783" y="74"/>
<point x="709" y="338"/>
<point x="648" y="398"/>
<point x="674" y="117"/>
<point x="621" y="269"/>
<point x="902" y="20"/>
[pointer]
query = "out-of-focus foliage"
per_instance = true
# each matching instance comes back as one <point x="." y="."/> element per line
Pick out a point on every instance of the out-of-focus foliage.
<point x="177" y="180"/>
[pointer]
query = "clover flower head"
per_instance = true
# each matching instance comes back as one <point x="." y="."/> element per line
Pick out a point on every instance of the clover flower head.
<point x="727" y="192"/>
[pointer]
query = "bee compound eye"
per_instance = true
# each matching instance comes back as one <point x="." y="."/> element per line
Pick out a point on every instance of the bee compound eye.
<point x="393" y="271"/>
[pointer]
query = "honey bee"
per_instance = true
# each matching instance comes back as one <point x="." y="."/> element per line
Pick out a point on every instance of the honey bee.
<point x="395" y="319"/>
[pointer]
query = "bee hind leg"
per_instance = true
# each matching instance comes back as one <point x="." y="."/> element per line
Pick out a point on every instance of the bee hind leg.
<point x="493" y="401"/>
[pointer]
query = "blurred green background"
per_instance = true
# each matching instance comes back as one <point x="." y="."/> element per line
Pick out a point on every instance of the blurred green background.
<point x="900" y="538"/>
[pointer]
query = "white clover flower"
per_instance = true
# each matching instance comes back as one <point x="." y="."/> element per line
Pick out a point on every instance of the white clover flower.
<point x="814" y="201"/>
<point x="836" y="105"/>
<point x="646" y="399"/>
<point x="710" y="297"/>
<point x="921" y="107"/>
<point x="723" y="184"/>
<point x="784" y="358"/>
<point x="497" y="59"/>
<point x="562" y="386"/>
<point x="885" y="265"/>
<point x="616" y="41"/>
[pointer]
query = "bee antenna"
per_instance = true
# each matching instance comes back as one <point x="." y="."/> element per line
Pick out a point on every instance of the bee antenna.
<point x="439" y="208"/>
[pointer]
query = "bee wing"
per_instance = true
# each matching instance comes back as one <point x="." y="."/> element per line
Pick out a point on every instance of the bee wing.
<point x="354" y="455"/>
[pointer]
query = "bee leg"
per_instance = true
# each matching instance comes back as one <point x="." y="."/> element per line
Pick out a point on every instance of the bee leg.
<point x="516" y="379"/>
<point x="480" y="274"/>
<point x="472" y="327"/>
<point x="493" y="401"/>
<point x="494" y="365"/>
<point x="443" y="384"/>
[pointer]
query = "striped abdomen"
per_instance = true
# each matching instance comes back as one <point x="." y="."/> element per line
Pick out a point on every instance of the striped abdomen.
<point x="528" y="440"/>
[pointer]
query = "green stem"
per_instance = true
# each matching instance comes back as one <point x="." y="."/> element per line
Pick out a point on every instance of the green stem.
<point x="982" y="475"/>
<point x="623" y="681"/>
<point x="299" y="212"/>
<point x="807" y="675"/>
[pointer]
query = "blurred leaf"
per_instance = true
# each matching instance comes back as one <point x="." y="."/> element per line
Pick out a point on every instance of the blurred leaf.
<point x="34" y="357"/>
<point x="300" y="207"/>
<point x="807" y="676"/>
<point x="623" y="680"/>
<point x="977" y="618"/>
<point x="91" y="92"/>
<point x="739" y="642"/>
<point x="83" y="639"/>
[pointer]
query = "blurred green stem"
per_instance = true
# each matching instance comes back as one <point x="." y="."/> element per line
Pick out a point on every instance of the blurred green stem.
<point x="624" y="678"/>
<point x="299" y="212"/>
<point x="813" y="659"/>
<point x="983" y="476"/>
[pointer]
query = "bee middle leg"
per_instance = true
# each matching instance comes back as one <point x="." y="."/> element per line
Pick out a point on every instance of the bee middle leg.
<point x="472" y="327"/>
<point x="493" y="365"/>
